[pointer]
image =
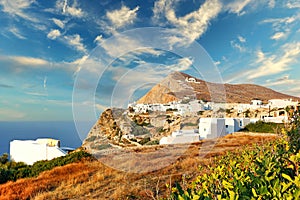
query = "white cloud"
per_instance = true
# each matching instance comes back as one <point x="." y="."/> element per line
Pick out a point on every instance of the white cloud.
<point x="181" y="65"/>
<point x="68" y="9"/>
<point x="237" y="7"/>
<point x="242" y="39"/>
<point x="217" y="63"/>
<point x="53" y="34"/>
<point x="15" y="31"/>
<point x="59" y="23"/>
<point x="278" y="36"/>
<point x="237" y="46"/>
<point x="282" y="26"/>
<point x="123" y="17"/>
<point x="121" y="44"/>
<point x="277" y="63"/>
<point x="191" y="26"/>
<point x="28" y="60"/>
<point x="285" y="80"/>
<point x="272" y="4"/>
<point x="293" y="4"/>
<point x="76" y="42"/>
<point x="17" y="8"/>
<point x="9" y="114"/>
<point x="98" y="39"/>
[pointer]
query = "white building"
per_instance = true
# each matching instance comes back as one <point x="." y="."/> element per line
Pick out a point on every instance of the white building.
<point x="30" y="151"/>
<point x="235" y="124"/>
<point x="256" y="102"/>
<point x="181" y="137"/>
<point x="211" y="127"/>
<point x="282" y="103"/>
<point x="218" y="127"/>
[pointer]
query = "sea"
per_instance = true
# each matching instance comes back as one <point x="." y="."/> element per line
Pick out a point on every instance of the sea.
<point x="64" y="131"/>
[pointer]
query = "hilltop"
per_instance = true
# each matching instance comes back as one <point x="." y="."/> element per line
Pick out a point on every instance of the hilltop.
<point x="178" y="85"/>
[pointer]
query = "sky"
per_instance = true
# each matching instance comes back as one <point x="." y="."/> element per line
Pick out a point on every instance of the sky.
<point x="67" y="59"/>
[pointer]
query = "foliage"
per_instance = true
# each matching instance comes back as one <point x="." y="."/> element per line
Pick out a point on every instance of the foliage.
<point x="263" y="127"/>
<point x="139" y="129"/>
<point x="11" y="171"/>
<point x="102" y="146"/>
<point x="144" y="140"/>
<point x="153" y="142"/>
<point x="190" y="124"/>
<point x="270" y="171"/>
<point x="91" y="138"/>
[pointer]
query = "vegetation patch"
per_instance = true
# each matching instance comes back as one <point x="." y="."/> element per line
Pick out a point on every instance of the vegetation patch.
<point x="263" y="127"/>
<point x="11" y="171"/>
<point x="269" y="171"/>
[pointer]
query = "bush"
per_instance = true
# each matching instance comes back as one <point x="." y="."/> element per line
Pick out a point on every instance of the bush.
<point x="144" y="140"/>
<point x="263" y="127"/>
<point x="153" y="142"/>
<point x="268" y="171"/>
<point x="11" y="171"/>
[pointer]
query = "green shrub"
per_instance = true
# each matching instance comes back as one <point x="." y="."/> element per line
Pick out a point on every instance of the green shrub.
<point x="268" y="171"/>
<point x="144" y="140"/>
<point x="263" y="127"/>
<point x="153" y="142"/>
<point x="11" y="171"/>
<point x="91" y="138"/>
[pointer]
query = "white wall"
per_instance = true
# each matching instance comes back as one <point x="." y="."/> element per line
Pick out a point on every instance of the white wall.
<point x="211" y="127"/>
<point x="30" y="151"/>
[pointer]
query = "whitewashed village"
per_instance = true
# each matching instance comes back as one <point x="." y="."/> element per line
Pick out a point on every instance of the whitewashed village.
<point x="225" y="118"/>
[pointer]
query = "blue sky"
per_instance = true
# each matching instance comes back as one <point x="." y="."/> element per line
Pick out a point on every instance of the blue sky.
<point x="48" y="48"/>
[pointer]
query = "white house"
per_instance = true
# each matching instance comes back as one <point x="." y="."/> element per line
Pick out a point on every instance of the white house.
<point x="282" y="103"/>
<point x="181" y="137"/>
<point x="30" y="151"/>
<point x="211" y="127"/>
<point x="235" y="124"/>
<point x="256" y="102"/>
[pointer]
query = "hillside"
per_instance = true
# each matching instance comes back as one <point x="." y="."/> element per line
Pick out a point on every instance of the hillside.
<point x="97" y="180"/>
<point x="175" y="87"/>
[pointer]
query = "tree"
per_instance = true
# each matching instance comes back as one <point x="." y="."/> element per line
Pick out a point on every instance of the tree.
<point x="4" y="158"/>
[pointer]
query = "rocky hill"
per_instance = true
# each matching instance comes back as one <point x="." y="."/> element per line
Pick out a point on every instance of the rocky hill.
<point x="175" y="87"/>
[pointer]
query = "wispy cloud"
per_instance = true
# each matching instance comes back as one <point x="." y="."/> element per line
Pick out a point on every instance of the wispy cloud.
<point x="59" y="23"/>
<point x="122" y="17"/>
<point x="191" y="26"/>
<point x="276" y="63"/>
<point x="242" y="39"/>
<point x="271" y="3"/>
<point x="280" y="81"/>
<point x="15" y="31"/>
<point x="9" y="114"/>
<point x="28" y="60"/>
<point x="17" y="8"/>
<point x="278" y="36"/>
<point x="98" y="39"/>
<point x="70" y="9"/>
<point x="293" y="4"/>
<point x="238" y="6"/>
<point x="76" y="42"/>
<point x="53" y="34"/>
<point x="239" y="43"/>
<point x="282" y="26"/>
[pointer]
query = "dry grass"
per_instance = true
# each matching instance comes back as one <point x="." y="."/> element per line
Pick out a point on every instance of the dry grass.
<point x="95" y="180"/>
